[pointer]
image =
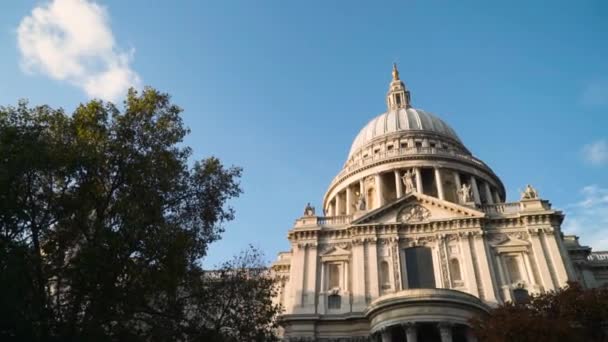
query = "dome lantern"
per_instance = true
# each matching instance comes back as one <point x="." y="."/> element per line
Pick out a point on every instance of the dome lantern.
<point x="398" y="96"/>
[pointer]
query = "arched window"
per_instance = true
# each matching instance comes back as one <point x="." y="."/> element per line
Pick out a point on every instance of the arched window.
<point x="334" y="301"/>
<point x="455" y="272"/>
<point x="384" y="275"/>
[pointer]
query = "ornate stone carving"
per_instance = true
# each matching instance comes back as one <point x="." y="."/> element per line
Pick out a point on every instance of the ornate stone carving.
<point x="529" y="193"/>
<point x="413" y="213"/>
<point x="408" y="181"/>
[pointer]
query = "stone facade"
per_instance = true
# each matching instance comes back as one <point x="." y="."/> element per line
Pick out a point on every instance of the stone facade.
<point x="417" y="238"/>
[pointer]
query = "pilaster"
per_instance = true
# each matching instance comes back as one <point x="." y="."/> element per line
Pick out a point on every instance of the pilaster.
<point x="541" y="261"/>
<point x="558" y="262"/>
<point x="467" y="267"/>
<point x="484" y="269"/>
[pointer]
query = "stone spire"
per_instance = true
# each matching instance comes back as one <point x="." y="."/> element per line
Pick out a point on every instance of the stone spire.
<point x="398" y="96"/>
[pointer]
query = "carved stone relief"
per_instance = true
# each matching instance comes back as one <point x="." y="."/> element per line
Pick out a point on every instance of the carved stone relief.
<point x="413" y="213"/>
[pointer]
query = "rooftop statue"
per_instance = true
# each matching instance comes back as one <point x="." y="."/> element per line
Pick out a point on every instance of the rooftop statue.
<point x="309" y="210"/>
<point x="529" y="193"/>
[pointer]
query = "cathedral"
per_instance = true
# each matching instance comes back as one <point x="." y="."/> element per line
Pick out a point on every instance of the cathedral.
<point x="416" y="237"/>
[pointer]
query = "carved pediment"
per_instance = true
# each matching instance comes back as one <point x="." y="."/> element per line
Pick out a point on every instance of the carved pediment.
<point x="505" y="243"/>
<point x="416" y="208"/>
<point x="335" y="253"/>
<point x="413" y="213"/>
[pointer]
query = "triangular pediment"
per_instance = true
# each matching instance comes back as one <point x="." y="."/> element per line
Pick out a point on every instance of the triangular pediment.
<point x="504" y="240"/>
<point x="418" y="208"/>
<point x="336" y="251"/>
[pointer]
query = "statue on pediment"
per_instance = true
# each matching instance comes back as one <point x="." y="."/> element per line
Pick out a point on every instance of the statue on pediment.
<point x="464" y="193"/>
<point x="408" y="181"/>
<point x="529" y="193"/>
<point x="309" y="210"/>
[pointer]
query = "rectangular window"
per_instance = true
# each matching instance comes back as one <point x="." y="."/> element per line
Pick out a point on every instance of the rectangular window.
<point x="333" y="275"/>
<point x="419" y="268"/>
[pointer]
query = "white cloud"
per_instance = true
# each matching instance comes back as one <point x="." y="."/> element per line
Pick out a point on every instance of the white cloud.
<point x="596" y="153"/>
<point x="588" y="218"/>
<point x="595" y="93"/>
<point x="71" y="40"/>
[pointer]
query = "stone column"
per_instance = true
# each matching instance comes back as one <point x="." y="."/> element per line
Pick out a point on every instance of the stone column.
<point x="379" y="194"/>
<point x="541" y="261"/>
<point x="439" y="183"/>
<point x="489" y="198"/>
<point x="349" y="200"/>
<point x="475" y="190"/>
<point x="418" y="181"/>
<point x="330" y="209"/>
<point x="411" y="334"/>
<point x="386" y="335"/>
<point x="445" y="330"/>
<point x="496" y="197"/>
<point x="398" y="183"/>
<point x="338" y="204"/>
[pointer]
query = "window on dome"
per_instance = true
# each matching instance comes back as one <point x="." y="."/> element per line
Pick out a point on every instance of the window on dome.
<point x="418" y="143"/>
<point x="389" y="147"/>
<point x="404" y="145"/>
<point x="398" y="97"/>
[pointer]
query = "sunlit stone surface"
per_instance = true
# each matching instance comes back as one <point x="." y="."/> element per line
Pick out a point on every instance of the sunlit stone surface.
<point x="416" y="237"/>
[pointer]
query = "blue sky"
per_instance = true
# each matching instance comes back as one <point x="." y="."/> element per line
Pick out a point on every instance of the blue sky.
<point x="281" y="88"/>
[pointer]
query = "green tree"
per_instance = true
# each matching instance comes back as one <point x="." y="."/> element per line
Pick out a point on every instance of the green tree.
<point x="571" y="313"/>
<point x="103" y="224"/>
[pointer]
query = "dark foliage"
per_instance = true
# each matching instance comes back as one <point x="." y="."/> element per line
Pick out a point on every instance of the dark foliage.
<point x="568" y="314"/>
<point x="103" y="224"/>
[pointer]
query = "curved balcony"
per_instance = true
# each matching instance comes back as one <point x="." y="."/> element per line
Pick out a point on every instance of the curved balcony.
<point x="413" y="306"/>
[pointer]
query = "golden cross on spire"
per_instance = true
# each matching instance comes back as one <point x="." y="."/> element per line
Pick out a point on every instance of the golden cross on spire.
<point x="395" y="72"/>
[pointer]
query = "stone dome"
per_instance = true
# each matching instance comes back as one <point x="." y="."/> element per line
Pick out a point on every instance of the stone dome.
<point x="401" y="120"/>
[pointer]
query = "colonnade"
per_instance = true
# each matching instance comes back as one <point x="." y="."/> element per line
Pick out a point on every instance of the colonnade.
<point x="443" y="183"/>
<point x="413" y="332"/>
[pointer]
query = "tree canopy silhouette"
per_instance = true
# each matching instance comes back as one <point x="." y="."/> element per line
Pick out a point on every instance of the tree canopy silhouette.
<point x="104" y="221"/>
